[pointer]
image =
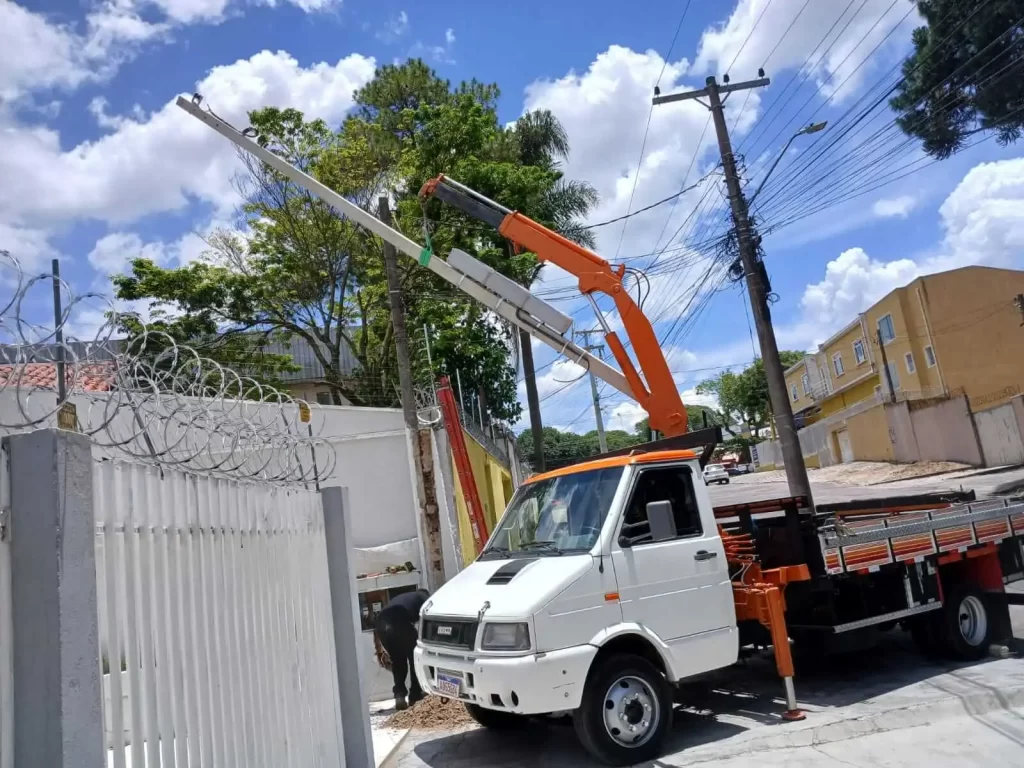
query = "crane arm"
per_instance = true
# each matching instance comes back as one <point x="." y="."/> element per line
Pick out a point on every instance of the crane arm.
<point x="659" y="395"/>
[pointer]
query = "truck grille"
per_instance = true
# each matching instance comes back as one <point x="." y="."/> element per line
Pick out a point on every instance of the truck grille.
<point x="451" y="632"/>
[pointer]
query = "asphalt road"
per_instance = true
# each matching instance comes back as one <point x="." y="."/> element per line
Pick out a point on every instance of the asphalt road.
<point x="753" y="488"/>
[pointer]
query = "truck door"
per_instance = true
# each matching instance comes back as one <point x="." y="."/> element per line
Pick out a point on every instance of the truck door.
<point x="677" y="588"/>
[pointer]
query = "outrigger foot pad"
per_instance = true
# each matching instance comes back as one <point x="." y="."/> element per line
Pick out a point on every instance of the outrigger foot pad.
<point x="794" y="715"/>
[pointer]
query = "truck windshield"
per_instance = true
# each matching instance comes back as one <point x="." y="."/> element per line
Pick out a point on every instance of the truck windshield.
<point x="557" y="515"/>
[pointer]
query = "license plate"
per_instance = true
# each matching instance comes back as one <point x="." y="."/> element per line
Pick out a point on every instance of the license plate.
<point x="449" y="684"/>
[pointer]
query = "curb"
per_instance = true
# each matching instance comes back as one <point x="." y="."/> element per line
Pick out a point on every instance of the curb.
<point x="808" y="734"/>
<point x="386" y="760"/>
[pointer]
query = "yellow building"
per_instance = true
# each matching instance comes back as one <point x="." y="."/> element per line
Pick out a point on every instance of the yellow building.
<point x="952" y="333"/>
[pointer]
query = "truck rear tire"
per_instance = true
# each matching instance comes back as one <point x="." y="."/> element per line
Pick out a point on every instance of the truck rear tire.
<point x="966" y="624"/>
<point x="626" y="711"/>
<point x="494" y="719"/>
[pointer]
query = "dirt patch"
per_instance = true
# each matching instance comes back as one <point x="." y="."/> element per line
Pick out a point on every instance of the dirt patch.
<point x="431" y="714"/>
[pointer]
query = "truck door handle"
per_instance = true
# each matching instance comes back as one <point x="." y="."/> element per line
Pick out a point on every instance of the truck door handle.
<point x="703" y="554"/>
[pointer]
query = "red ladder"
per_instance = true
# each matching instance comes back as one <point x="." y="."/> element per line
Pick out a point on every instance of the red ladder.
<point x="453" y="426"/>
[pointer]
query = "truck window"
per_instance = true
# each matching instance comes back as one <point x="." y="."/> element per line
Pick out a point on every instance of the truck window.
<point x="673" y="484"/>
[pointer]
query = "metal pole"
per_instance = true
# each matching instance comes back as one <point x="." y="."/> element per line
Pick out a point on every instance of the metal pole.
<point x="796" y="472"/>
<point x="458" y="380"/>
<point x="601" y="439"/>
<point x="58" y="335"/>
<point x="532" y="400"/>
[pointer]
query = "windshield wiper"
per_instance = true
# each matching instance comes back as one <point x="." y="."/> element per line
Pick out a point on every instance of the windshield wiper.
<point x="496" y="550"/>
<point x="548" y="545"/>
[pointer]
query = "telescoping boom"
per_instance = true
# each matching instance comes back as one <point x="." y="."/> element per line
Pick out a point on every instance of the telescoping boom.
<point x="658" y="395"/>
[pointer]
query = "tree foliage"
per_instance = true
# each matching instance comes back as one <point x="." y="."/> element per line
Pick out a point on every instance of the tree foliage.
<point x="296" y="269"/>
<point x="963" y="76"/>
<point x="745" y="395"/>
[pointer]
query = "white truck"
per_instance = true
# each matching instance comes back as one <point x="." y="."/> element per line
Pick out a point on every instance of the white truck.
<point x="606" y="583"/>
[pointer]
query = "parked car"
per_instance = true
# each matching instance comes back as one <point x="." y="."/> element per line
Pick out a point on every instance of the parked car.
<point x="715" y="473"/>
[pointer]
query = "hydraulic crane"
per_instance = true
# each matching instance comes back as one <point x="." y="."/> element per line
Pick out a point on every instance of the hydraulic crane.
<point x="656" y="392"/>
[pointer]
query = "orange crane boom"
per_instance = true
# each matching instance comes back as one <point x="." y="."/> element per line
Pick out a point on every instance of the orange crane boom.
<point x="656" y="392"/>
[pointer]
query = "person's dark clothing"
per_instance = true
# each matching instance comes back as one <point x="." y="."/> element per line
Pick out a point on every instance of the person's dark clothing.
<point x="397" y="629"/>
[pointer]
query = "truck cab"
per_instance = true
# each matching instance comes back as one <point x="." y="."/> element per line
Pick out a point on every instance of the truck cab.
<point x="602" y="584"/>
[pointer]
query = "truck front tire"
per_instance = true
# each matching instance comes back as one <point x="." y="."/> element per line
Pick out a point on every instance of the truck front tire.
<point x="626" y="711"/>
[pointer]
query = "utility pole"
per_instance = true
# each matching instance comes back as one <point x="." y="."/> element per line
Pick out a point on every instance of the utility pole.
<point x="532" y="400"/>
<point x="420" y="443"/>
<point x="885" y="365"/>
<point x="796" y="472"/>
<point x="597" y="349"/>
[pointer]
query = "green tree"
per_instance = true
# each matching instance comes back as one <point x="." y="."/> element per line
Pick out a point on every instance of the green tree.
<point x="303" y="271"/>
<point x="744" y="395"/>
<point x="694" y="415"/>
<point x="963" y="76"/>
<point x="565" y="447"/>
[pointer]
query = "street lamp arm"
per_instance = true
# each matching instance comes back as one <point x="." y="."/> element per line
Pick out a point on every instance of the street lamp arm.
<point x="812" y="128"/>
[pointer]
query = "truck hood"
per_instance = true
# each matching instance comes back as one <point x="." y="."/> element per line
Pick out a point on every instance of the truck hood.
<point x="515" y="588"/>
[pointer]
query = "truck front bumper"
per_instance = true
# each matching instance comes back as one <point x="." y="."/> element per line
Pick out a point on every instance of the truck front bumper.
<point x="527" y="685"/>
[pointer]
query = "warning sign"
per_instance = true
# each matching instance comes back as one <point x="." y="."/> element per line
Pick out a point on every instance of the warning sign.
<point x="67" y="417"/>
<point x="304" y="412"/>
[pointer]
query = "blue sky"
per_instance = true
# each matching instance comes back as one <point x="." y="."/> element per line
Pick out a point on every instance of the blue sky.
<point x="99" y="167"/>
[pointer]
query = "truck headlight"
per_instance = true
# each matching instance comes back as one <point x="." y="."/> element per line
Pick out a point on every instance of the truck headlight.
<point x="506" y="637"/>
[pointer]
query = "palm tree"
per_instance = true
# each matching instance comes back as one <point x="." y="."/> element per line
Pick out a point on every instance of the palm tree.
<point x="541" y="141"/>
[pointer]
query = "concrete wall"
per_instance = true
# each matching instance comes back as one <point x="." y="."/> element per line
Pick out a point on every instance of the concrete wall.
<point x="999" y="435"/>
<point x="901" y="432"/>
<point x="869" y="435"/>
<point x="944" y="431"/>
<point x="493" y="483"/>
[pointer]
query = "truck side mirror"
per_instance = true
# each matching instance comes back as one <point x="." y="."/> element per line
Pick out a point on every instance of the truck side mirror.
<point x="624" y="541"/>
<point x="663" y="522"/>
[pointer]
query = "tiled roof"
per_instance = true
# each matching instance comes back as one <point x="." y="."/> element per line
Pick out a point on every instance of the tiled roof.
<point x="88" y="377"/>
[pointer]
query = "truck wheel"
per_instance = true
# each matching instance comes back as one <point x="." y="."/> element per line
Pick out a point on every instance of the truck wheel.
<point x="626" y="711"/>
<point x="494" y="719"/>
<point x="966" y="624"/>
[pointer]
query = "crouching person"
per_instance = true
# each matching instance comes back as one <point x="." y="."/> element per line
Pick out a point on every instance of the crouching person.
<point x="394" y="638"/>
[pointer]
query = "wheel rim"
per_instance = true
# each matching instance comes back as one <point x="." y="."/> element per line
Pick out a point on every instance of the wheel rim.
<point x="973" y="621"/>
<point x="631" y="711"/>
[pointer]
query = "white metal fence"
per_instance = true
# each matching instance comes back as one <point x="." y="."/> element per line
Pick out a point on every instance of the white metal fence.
<point x="215" y="622"/>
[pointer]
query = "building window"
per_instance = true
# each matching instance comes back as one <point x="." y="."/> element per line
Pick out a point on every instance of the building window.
<point x="371" y="603"/>
<point x="793" y="393"/>
<point x="324" y="398"/>
<point x="886" y="329"/>
<point x="929" y="356"/>
<point x="858" y="351"/>
<point x="805" y="382"/>
<point x="909" y="359"/>
<point x="837" y="364"/>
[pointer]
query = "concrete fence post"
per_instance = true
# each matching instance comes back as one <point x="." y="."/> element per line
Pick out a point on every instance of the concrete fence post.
<point x="355" y="714"/>
<point x="58" y="700"/>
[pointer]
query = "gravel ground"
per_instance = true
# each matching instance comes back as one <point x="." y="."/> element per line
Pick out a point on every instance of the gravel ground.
<point x="861" y="472"/>
<point x="431" y="714"/>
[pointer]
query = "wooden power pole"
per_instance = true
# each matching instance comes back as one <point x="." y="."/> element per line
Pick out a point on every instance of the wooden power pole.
<point x="796" y="472"/>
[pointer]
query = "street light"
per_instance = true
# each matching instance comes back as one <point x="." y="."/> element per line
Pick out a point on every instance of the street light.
<point x="812" y="128"/>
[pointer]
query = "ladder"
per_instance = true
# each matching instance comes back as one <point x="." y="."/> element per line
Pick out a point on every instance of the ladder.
<point x="453" y="426"/>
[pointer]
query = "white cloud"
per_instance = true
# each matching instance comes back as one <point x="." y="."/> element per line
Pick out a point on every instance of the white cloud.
<point x="983" y="223"/>
<point x="394" y="28"/>
<point x="28" y="245"/>
<point x="441" y="54"/>
<point x="160" y="163"/>
<point x="828" y="40"/>
<point x="624" y="416"/>
<point x="895" y="207"/>
<point x="112" y="253"/>
<point x="563" y="375"/>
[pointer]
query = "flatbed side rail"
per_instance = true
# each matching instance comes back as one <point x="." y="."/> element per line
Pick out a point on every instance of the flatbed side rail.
<point x="857" y="546"/>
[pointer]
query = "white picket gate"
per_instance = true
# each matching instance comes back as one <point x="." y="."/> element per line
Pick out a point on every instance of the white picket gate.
<point x="214" y="602"/>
